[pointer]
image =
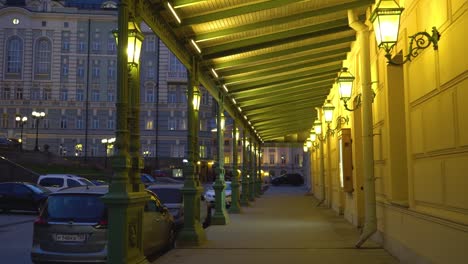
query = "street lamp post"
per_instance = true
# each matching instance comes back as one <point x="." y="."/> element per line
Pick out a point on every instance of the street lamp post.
<point x="37" y="116"/>
<point x="126" y="197"/>
<point x="21" y="121"/>
<point x="108" y="143"/>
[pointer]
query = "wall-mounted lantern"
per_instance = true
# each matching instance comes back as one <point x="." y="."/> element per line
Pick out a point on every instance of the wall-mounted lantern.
<point x="386" y="20"/>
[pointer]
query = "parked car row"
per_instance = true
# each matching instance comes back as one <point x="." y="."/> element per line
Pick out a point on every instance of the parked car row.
<point x="72" y="227"/>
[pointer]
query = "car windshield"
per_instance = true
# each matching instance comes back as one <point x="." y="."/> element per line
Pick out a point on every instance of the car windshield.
<point x="168" y="195"/>
<point x="75" y="207"/>
<point x="86" y="182"/>
<point x="228" y="186"/>
<point x="37" y="189"/>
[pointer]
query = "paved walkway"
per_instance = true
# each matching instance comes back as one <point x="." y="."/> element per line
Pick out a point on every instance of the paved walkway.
<point x="283" y="226"/>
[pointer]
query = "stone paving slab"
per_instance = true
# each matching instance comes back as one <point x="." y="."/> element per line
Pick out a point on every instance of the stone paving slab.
<point x="283" y="226"/>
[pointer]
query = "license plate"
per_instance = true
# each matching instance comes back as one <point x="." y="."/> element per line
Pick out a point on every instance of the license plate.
<point x="70" y="237"/>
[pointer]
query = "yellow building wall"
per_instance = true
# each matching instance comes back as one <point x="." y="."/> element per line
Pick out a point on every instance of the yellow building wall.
<point x="421" y="172"/>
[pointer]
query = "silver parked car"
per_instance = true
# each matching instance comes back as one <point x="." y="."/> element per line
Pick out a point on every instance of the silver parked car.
<point x="72" y="227"/>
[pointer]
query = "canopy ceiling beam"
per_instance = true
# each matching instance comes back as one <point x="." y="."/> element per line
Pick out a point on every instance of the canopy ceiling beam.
<point x="282" y="68"/>
<point x="267" y="107"/>
<point x="279" y="21"/>
<point x="286" y="52"/>
<point x="272" y="40"/>
<point x="283" y="62"/>
<point x="280" y="96"/>
<point x="236" y="11"/>
<point x="311" y="79"/>
<point x="284" y="88"/>
<point x="291" y="76"/>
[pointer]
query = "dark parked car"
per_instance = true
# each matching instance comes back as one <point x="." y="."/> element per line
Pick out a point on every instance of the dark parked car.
<point x="171" y="196"/>
<point x="22" y="196"/>
<point x="72" y="227"/>
<point x="6" y="143"/>
<point x="289" y="178"/>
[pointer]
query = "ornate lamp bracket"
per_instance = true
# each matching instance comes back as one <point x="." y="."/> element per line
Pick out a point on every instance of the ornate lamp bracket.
<point x="419" y="41"/>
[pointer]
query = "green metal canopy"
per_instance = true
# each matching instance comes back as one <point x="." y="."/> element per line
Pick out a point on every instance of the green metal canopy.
<point x="276" y="60"/>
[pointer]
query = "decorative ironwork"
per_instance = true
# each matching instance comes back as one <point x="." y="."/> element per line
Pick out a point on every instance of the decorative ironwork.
<point x="421" y="40"/>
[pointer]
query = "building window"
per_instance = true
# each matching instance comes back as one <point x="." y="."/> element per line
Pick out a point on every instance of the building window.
<point x="272" y="158"/>
<point x="42" y="58"/>
<point x="44" y="23"/>
<point x="150" y="71"/>
<point x="110" y="123"/>
<point x="65" y="24"/>
<point x="47" y="94"/>
<point x="63" y="122"/>
<point x="150" y="43"/>
<point x="96" y="71"/>
<point x="79" y="123"/>
<point x="5" y="120"/>
<point x="65" y="70"/>
<point x="111" y="70"/>
<point x="65" y="41"/>
<point x="80" y="71"/>
<point x="96" y="46"/>
<point x="6" y="93"/>
<point x="177" y="151"/>
<point x="81" y="46"/>
<point x="95" y="96"/>
<point x="205" y="98"/>
<point x="203" y="151"/>
<point x="171" y="97"/>
<point x="111" y="47"/>
<point x="149" y="97"/>
<point x="227" y="160"/>
<point x="149" y="125"/>
<point x="35" y="94"/>
<point x="64" y="95"/>
<point x="172" y="124"/>
<point x="19" y="93"/>
<point x="110" y="96"/>
<point x="182" y="124"/>
<point x="175" y="65"/>
<point x="79" y="95"/>
<point x="14" y="56"/>
<point x="95" y="123"/>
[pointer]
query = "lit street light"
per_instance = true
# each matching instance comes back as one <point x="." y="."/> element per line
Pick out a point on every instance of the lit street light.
<point x="21" y="121"/>
<point x="108" y="144"/>
<point x="37" y="116"/>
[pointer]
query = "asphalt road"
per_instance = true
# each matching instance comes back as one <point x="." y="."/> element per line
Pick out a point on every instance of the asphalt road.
<point x="16" y="237"/>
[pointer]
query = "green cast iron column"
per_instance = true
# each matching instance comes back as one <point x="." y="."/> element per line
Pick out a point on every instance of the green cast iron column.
<point x="235" y="193"/>
<point x="259" y="171"/>
<point x="192" y="233"/>
<point x="251" y="171"/>
<point x="134" y="124"/>
<point x="196" y="149"/>
<point x="255" y="166"/>
<point x="220" y="217"/>
<point x="245" y="172"/>
<point x="125" y="207"/>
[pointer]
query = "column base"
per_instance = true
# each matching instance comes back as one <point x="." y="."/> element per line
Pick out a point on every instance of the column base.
<point x="235" y="209"/>
<point x="220" y="218"/>
<point x="191" y="237"/>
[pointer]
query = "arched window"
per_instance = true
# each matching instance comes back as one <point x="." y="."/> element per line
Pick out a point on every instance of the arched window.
<point x="42" y="58"/>
<point x="14" y="58"/>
